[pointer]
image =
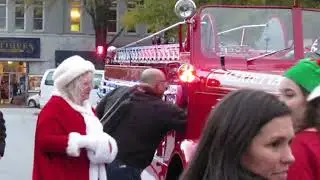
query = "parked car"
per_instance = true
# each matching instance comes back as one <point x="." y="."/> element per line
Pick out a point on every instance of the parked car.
<point x="33" y="101"/>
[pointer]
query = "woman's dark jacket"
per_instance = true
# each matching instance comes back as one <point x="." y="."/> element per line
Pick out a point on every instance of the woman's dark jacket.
<point x="2" y="134"/>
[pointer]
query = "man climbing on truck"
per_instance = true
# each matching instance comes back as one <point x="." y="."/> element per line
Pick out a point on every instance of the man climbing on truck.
<point x="140" y="123"/>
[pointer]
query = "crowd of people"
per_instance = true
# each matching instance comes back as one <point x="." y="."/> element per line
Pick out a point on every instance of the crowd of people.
<point x="260" y="136"/>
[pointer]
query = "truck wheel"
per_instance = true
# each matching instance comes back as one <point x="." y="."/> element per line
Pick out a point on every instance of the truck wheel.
<point x="175" y="169"/>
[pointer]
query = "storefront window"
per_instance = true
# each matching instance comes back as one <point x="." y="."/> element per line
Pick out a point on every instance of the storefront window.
<point x="75" y="16"/>
<point x="12" y="80"/>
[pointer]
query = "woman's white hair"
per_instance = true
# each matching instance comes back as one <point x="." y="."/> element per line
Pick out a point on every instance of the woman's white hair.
<point x="74" y="89"/>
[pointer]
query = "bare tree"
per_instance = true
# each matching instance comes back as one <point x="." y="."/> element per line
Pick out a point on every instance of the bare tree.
<point x="99" y="10"/>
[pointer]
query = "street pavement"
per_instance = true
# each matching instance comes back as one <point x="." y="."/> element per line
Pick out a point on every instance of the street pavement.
<point x="18" y="159"/>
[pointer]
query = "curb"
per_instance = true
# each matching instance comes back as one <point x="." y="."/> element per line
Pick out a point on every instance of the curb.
<point x="12" y="106"/>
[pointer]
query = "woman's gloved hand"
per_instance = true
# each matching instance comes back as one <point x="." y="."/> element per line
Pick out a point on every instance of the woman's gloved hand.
<point x="102" y="148"/>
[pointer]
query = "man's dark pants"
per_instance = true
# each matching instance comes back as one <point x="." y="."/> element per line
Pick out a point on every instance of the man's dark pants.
<point x="120" y="171"/>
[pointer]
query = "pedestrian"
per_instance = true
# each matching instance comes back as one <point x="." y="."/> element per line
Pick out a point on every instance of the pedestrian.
<point x="247" y="137"/>
<point x="299" y="82"/>
<point x="69" y="142"/>
<point x="3" y="135"/>
<point x="14" y="91"/>
<point x="140" y="123"/>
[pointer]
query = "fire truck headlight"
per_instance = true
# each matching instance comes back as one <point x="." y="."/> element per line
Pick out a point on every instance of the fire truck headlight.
<point x="187" y="73"/>
<point x="185" y="8"/>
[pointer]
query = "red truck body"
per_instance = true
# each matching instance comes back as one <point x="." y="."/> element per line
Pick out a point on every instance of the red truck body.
<point x="225" y="48"/>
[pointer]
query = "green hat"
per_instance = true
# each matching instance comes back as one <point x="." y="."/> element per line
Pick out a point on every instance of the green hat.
<point x="305" y="73"/>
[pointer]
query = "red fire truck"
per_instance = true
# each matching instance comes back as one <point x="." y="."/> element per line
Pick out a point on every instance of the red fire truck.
<point x="219" y="49"/>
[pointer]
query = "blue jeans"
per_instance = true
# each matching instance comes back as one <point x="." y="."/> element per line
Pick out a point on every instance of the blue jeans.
<point x="120" y="171"/>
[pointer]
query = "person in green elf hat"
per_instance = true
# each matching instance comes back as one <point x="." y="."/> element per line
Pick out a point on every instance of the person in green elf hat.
<point x="297" y="90"/>
<point x="300" y="80"/>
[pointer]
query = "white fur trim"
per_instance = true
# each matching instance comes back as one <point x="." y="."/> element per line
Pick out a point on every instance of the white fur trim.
<point x="106" y="150"/>
<point x="113" y="148"/>
<point x="69" y="69"/>
<point x="73" y="148"/>
<point x="314" y="94"/>
<point x="85" y="109"/>
<point x="95" y="141"/>
<point x="311" y="130"/>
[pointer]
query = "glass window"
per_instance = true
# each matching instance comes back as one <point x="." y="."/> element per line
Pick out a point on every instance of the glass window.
<point x="254" y="32"/>
<point x="311" y="34"/>
<point x="131" y="5"/>
<point x="49" y="79"/>
<point x="114" y="4"/>
<point x="97" y="80"/>
<point x="34" y="82"/>
<point x="3" y="16"/>
<point x="112" y="25"/>
<point x="38" y="2"/>
<point x="75" y="16"/>
<point x="38" y="15"/>
<point x="19" y="14"/>
<point x="19" y="2"/>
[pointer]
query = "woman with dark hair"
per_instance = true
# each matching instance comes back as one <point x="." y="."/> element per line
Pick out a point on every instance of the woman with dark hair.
<point x="299" y="82"/>
<point x="247" y="137"/>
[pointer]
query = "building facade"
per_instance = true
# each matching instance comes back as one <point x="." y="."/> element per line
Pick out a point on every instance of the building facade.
<point x="35" y="37"/>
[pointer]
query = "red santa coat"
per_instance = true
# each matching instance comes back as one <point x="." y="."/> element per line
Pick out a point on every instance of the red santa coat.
<point x="306" y="150"/>
<point x="70" y="143"/>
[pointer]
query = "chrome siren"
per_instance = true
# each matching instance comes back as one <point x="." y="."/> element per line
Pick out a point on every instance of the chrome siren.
<point x="185" y="8"/>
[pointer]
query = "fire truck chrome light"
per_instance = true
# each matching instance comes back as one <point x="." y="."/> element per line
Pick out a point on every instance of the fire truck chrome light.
<point x="185" y="8"/>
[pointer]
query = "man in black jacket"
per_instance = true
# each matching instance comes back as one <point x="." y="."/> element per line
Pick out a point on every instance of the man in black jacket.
<point x="139" y="124"/>
<point x="2" y="135"/>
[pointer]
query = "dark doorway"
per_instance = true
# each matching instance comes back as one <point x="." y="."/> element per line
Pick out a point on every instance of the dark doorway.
<point x="61" y="55"/>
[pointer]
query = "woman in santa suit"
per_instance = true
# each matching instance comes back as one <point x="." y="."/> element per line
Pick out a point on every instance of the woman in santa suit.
<point x="69" y="142"/>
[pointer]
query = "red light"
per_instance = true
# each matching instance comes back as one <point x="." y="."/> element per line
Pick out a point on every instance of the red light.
<point x="100" y="50"/>
<point x="187" y="73"/>
<point x="213" y="83"/>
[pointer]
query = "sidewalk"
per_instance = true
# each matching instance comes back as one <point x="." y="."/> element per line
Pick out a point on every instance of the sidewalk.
<point x="11" y="106"/>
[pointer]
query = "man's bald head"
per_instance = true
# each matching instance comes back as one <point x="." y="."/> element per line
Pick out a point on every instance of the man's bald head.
<point x="155" y="79"/>
<point x="152" y="76"/>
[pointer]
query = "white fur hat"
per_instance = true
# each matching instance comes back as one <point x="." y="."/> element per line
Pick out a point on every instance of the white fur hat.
<point x="70" y="69"/>
<point x="314" y="93"/>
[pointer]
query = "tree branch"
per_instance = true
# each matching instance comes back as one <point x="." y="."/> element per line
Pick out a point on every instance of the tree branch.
<point x="116" y="36"/>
